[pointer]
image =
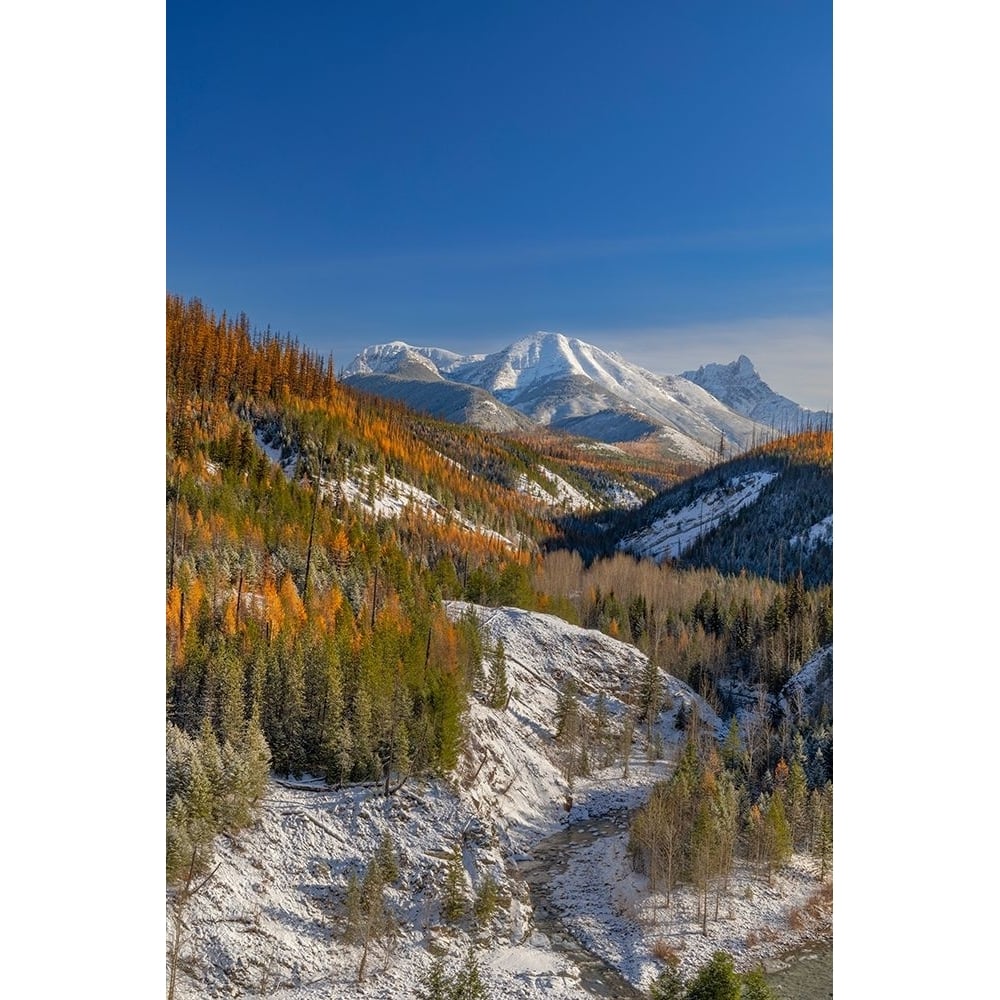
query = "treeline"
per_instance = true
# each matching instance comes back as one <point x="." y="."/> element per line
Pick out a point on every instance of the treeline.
<point x="349" y="691"/>
<point x="699" y="625"/>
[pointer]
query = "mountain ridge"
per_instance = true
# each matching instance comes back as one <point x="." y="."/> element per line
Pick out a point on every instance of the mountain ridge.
<point x="740" y="387"/>
<point x="567" y="384"/>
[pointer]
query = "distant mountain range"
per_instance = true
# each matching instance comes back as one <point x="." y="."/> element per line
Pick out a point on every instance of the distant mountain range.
<point x="561" y="382"/>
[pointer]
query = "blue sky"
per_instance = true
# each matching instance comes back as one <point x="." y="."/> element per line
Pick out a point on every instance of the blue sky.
<point x="655" y="178"/>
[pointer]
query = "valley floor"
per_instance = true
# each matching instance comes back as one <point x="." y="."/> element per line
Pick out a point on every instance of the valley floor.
<point x="269" y="922"/>
<point x="271" y="919"/>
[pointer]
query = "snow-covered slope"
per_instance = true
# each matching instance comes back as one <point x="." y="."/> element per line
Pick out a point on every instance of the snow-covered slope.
<point x="413" y="375"/>
<point x="388" y="359"/>
<point x="563" y="495"/>
<point x="385" y="495"/>
<point x="542" y="653"/>
<point x="740" y="387"/>
<point x="270" y="920"/>
<point x="675" y="532"/>
<point x="762" y="513"/>
<point x="821" y="533"/>
<point x="566" y="383"/>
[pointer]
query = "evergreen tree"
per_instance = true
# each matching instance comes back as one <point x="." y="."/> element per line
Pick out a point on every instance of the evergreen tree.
<point x="755" y="986"/>
<point x="487" y="899"/>
<point x="797" y="793"/>
<point x="376" y="918"/>
<point x="435" y="984"/>
<point x="257" y="755"/>
<point x="732" y="750"/>
<point x="567" y="718"/>
<point x="454" y="902"/>
<point x="717" y="980"/>
<point x="498" y="688"/>
<point x="570" y="730"/>
<point x="649" y="695"/>
<point x="353" y="912"/>
<point x="779" y="833"/>
<point x="471" y="633"/>
<point x="821" y="821"/>
<point x="469" y="983"/>
<point x="387" y="859"/>
<point x="668" y="985"/>
<point x="342" y="757"/>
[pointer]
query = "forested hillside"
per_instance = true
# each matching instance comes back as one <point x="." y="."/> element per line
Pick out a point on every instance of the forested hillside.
<point x="781" y="528"/>
<point x="318" y="541"/>
<point x="294" y="623"/>
<point x="298" y="618"/>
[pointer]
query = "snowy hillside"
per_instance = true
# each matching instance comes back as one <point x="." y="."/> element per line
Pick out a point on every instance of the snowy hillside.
<point x="675" y="532"/>
<point x="270" y="919"/>
<point x="767" y="512"/>
<point x="818" y="534"/>
<point x="564" y="494"/>
<point x="417" y="384"/>
<point x="542" y="653"/>
<point x="385" y="495"/>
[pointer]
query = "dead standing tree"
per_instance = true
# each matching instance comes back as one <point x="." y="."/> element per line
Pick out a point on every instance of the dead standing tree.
<point x="182" y="897"/>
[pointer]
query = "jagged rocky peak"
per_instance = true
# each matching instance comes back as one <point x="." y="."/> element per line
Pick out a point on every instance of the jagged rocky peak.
<point x="740" y="387"/>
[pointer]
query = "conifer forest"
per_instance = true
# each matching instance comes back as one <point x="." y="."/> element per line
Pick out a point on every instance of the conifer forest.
<point x="399" y="662"/>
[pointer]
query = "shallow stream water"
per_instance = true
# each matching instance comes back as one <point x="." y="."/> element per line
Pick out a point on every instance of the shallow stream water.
<point x="807" y="975"/>
<point x="550" y="857"/>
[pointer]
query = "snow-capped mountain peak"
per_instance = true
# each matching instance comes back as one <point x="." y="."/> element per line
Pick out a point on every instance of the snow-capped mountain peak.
<point x="563" y="382"/>
<point x="390" y="358"/>
<point x="742" y="389"/>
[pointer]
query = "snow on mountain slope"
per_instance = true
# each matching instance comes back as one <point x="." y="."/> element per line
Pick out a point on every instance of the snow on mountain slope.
<point x="566" y="495"/>
<point x="533" y="374"/>
<point x="672" y="534"/>
<point x="819" y="534"/>
<point x="542" y="357"/>
<point x="270" y="920"/>
<point x="566" y="383"/>
<point x="807" y="690"/>
<point x="418" y="385"/>
<point x="384" y="496"/>
<point x="523" y="782"/>
<point x="387" y="359"/>
<point x="390" y="496"/>
<point x="742" y="389"/>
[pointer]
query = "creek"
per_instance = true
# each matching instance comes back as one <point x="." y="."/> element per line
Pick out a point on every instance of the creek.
<point x="804" y="975"/>
<point x="550" y="857"/>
